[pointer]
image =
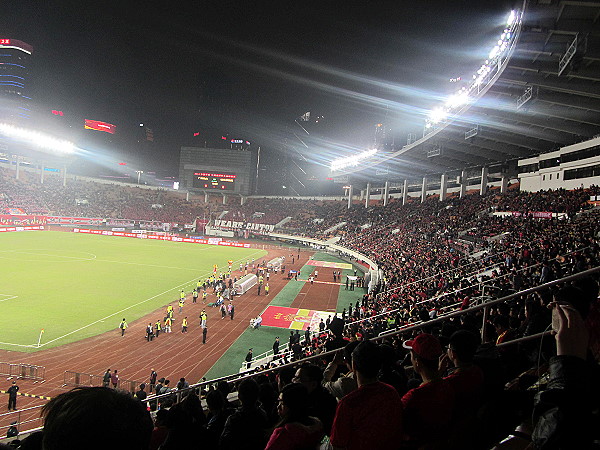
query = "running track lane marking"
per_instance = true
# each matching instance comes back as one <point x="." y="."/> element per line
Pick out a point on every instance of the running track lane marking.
<point x="132" y="306"/>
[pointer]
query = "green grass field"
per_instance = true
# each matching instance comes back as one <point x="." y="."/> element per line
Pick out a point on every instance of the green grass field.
<point x="75" y="286"/>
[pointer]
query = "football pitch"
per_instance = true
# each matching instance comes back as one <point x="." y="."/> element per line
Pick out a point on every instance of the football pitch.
<point x="74" y="286"/>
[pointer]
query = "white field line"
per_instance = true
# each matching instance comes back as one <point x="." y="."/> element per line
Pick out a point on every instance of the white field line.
<point x="79" y="258"/>
<point x="18" y="345"/>
<point x="136" y="304"/>
<point x="10" y="297"/>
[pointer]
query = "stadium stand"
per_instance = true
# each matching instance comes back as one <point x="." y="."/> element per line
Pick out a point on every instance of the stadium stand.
<point x="485" y="323"/>
<point x="450" y="267"/>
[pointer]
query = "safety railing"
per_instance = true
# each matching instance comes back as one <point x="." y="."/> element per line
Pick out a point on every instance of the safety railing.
<point x="29" y="417"/>
<point x="409" y="328"/>
<point x="78" y="379"/>
<point x="270" y="356"/>
<point x="177" y="395"/>
<point x="445" y="294"/>
<point x="489" y="255"/>
<point x="23" y="371"/>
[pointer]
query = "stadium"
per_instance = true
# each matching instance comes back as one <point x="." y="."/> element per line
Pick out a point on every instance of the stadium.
<point x="436" y="294"/>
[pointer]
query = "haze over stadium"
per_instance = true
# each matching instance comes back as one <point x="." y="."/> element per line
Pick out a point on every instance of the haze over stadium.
<point x="247" y="72"/>
<point x="341" y="226"/>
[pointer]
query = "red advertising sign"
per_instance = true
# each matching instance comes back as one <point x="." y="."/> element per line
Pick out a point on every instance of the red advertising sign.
<point x="100" y="126"/>
<point x="9" y="229"/>
<point x="7" y="220"/>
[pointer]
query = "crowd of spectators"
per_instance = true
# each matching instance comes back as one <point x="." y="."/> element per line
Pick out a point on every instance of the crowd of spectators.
<point x="264" y="210"/>
<point x="91" y="199"/>
<point x="440" y="384"/>
<point x="423" y="248"/>
<point x="442" y="388"/>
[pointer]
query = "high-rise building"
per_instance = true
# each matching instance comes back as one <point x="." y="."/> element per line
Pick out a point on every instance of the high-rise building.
<point x="15" y="99"/>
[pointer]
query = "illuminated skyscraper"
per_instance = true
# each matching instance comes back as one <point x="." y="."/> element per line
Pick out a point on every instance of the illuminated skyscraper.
<point x="15" y="100"/>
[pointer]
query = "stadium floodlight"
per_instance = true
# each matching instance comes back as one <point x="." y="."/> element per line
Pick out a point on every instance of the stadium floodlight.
<point x="458" y="99"/>
<point x="437" y="115"/>
<point x="350" y="161"/>
<point x="494" y="52"/>
<point x="38" y="139"/>
<point x="455" y="103"/>
<point x="512" y="17"/>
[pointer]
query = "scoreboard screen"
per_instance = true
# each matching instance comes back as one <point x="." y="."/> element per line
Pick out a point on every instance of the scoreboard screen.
<point x="221" y="181"/>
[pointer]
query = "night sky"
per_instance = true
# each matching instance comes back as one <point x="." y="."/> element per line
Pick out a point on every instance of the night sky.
<point x="250" y="68"/>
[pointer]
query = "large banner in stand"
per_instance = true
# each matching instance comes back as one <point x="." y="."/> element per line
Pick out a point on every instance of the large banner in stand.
<point x="333" y="265"/>
<point x="8" y="220"/>
<point x="233" y="225"/>
<point x="534" y="214"/>
<point x="160" y="237"/>
<point x="293" y="318"/>
<point x="123" y="223"/>
<point x="55" y="220"/>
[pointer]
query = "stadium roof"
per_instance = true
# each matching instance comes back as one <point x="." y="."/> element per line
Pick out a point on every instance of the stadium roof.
<point x="546" y="96"/>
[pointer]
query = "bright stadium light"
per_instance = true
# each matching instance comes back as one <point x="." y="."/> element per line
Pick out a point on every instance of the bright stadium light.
<point x="350" y="161"/>
<point x="458" y="99"/>
<point x="511" y="18"/>
<point x="494" y="52"/>
<point x="437" y="115"/>
<point x="455" y="103"/>
<point x="42" y="140"/>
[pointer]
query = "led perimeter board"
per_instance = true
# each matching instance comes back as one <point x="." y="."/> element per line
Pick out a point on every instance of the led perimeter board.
<point x="221" y="181"/>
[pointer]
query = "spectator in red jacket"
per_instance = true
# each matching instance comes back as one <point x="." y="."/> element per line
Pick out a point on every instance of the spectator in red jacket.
<point x="371" y="416"/>
<point x="427" y="412"/>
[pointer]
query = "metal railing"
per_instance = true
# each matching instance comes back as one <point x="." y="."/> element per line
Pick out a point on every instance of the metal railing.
<point x="21" y="417"/>
<point x="481" y="285"/>
<point x="177" y="395"/>
<point x="490" y="255"/>
<point x="406" y="329"/>
<point x="78" y="379"/>
<point x="269" y="356"/>
<point x="23" y="371"/>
